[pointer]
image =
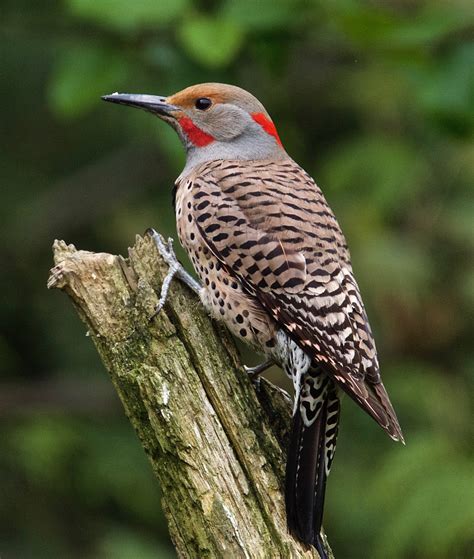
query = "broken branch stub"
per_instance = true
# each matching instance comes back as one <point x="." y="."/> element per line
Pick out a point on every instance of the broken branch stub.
<point x="217" y="451"/>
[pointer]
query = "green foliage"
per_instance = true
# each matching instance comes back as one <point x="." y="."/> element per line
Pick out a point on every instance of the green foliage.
<point x="128" y="545"/>
<point x="43" y="448"/>
<point x="269" y="15"/>
<point x="383" y="26"/>
<point x="415" y="526"/>
<point x="449" y="94"/>
<point x="388" y="172"/>
<point x="211" y="41"/>
<point x="82" y="73"/>
<point x="376" y="100"/>
<point x="126" y="16"/>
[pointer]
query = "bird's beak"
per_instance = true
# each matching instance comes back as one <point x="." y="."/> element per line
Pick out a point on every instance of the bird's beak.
<point x="151" y="103"/>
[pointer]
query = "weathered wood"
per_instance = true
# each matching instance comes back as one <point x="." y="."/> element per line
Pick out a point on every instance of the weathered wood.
<point x="217" y="451"/>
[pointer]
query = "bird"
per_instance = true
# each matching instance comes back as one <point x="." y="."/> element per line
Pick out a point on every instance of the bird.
<point x="274" y="266"/>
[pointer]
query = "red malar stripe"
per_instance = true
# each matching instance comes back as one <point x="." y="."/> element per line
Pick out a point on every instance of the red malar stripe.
<point x="197" y="136"/>
<point x="267" y="125"/>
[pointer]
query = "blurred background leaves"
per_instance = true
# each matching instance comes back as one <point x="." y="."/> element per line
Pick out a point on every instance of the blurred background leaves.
<point x="376" y="100"/>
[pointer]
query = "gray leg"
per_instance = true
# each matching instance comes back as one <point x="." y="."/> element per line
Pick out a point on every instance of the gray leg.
<point x="255" y="372"/>
<point x="175" y="269"/>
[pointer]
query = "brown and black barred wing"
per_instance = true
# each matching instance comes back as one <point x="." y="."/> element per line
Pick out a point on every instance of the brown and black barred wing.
<point x="272" y="229"/>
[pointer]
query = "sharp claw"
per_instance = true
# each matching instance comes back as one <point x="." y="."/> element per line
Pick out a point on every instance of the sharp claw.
<point x="254" y="376"/>
<point x="256" y="371"/>
<point x="250" y="370"/>
<point x="156" y="312"/>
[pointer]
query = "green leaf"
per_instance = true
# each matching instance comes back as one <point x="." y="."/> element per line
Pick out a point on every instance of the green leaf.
<point x="127" y="15"/>
<point x="212" y="42"/>
<point x="81" y="75"/>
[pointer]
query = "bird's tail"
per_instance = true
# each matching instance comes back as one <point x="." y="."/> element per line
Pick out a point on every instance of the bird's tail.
<point x="312" y="447"/>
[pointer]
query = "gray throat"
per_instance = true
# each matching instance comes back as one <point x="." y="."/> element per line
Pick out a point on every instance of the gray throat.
<point x="240" y="148"/>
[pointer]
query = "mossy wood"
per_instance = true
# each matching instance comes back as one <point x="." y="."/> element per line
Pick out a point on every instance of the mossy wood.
<point x="216" y="446"/>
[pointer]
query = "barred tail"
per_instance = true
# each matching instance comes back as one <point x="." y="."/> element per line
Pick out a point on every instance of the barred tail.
<point x="312" y="447"/>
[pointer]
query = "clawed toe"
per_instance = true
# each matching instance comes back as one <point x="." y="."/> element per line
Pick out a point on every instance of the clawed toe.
<point x="258" y="369"/>
<point x="175" y="269"/>
<point x="255" y="372"/>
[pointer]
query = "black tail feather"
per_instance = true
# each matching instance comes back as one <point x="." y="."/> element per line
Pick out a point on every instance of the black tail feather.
<point x="309" y="459"/>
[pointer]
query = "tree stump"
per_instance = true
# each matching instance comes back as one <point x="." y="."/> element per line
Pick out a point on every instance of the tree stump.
<point x="216" y="445"/>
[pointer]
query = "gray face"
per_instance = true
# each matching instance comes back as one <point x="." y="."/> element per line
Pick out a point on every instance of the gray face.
<point x="235" y="134"/>
<point x="222" y="121"/>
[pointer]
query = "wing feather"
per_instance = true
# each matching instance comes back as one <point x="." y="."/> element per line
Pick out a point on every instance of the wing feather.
<point x="272" y="229"/>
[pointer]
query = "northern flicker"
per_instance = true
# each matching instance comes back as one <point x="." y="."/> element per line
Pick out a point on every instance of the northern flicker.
<point x="274" y="266"/>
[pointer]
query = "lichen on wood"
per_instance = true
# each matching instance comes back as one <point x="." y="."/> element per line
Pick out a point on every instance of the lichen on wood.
<point x="216" y="445"/>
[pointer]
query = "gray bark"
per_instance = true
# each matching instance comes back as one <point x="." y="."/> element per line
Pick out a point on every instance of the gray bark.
<point x="216" y="446"/>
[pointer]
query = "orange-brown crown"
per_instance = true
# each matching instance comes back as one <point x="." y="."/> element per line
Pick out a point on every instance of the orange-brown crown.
<point x="218" y="93"/>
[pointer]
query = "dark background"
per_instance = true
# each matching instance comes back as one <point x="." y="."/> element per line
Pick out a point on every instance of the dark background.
<point x="376" y="101"/>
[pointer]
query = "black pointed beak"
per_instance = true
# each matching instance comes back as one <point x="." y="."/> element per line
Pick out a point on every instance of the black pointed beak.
<point x="152" y="103"/>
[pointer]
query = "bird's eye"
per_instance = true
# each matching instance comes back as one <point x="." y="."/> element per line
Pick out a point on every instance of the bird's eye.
<point x="202" y="103"/>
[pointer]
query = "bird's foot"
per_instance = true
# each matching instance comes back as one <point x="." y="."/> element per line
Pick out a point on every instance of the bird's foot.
<point x="255" y="372"/>
<point x="175" y="269"/>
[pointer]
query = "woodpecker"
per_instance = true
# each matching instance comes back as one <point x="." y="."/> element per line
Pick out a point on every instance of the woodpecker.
<point x="274" y="265"/>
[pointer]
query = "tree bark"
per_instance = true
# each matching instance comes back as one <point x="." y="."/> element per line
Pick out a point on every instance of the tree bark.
<point x="216" y="446"/>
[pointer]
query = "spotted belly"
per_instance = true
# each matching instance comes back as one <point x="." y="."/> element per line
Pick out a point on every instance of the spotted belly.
<point x="224" y="298"/>
<point x="221" y="294"/>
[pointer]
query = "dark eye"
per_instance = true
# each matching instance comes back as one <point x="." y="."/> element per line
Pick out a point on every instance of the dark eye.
<point x="202" y="103"/>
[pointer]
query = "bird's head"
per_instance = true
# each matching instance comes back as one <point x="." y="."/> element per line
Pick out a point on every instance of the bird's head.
<point x="214" y="121"/>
